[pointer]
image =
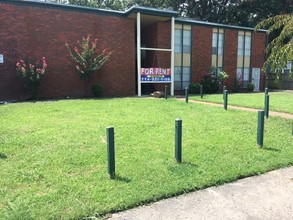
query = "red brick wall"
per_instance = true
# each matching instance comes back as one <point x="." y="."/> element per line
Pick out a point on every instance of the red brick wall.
<point x="201" y="51"/>
<point x="258" y="54"/>
<point x="33" y="31"/>
<point x="230" y="56"/>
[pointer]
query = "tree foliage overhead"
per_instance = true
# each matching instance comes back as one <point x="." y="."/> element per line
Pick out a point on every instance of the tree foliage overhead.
<point x="236" y="12"/>
<point x="280" y="49"/>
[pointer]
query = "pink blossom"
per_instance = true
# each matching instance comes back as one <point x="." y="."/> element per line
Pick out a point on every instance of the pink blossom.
<point x="23" y="70"/>
<point x="17" y="64"/>
<point x="75" y="49"/>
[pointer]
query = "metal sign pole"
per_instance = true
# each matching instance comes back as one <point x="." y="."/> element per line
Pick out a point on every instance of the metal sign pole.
<point x="138" y="32"/>
<point x="172" y="54"/>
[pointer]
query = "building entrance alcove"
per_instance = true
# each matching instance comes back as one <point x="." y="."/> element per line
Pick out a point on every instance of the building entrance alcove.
<point x="155" y="48"/>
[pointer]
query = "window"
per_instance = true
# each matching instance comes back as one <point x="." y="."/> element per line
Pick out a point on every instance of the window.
<point x="217" y="50"/>
<point x="182" y="69"/>
<point x="178" y="37"/>
<point x="243" y="58"/>
<point x="186" y="41"/>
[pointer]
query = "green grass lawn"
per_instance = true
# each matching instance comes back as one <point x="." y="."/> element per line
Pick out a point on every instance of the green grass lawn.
<point x="53" y="155"/>
<point x="279" y="101"/>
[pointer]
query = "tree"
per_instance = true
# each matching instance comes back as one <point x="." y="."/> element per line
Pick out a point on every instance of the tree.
<point x="210" y="10"/>
<point x="280" y="49"/>
<point x="251" y="12"/>
<point x="87" y="57"/>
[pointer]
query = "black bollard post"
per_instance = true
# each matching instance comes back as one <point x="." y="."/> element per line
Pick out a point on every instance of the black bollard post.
<point x="201" y="91"/>
<point x="260" y="128"/>
<point x="267" y="105"/>
<point x="166" y="92"/>
<point x="111" y="152"/>
<point x="225" y="99"/>
<point x="224" y="88"/>
<point x="186" y="94"/>
<point x="178" y="140"/>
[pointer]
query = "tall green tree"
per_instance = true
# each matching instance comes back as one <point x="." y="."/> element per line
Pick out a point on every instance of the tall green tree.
<point x="280" y="49"/>
<point x="251" y="12"/>
<point x="219" y="11"/>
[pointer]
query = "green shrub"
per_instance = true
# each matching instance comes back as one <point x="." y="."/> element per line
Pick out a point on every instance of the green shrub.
<point x="250" y="87"/>
<point x="194" y="88"/>
<point x="97" y="90"/>
<point x="210" y="83"/>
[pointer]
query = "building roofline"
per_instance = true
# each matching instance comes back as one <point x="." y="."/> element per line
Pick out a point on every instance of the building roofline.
<point x="205" y="23"/>
<point x="64" y="6"/>
<point x="133" y="9"/>
<point x="151" y="11"/>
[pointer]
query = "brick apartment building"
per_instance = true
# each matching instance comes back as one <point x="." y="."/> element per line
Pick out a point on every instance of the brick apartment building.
<point x="188" y="48"/>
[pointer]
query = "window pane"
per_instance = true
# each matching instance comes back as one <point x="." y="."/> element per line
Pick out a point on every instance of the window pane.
<point x="186" y="49"/>
<point x="177" y="85"/>
<point x="177" y="73"/>
<point x="221" y="37"/>
<point x="214" y="50"/>
<point x="239" y="73"/>
<point x="240" y="52"/>
<point x="247" y="52"/>
<point x="186" y="74"/>
<point x="178" y="49"/>
<point x="246" y="74"/>
<point x="186" y="37"/>
<point x="240" y="41"/>
<point x="185" y="84"/>
<point x="215" y="38"/>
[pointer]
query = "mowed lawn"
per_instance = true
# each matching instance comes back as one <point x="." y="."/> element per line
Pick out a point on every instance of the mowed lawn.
<point x="53" y="154"/>
<point x="279" y="101"/>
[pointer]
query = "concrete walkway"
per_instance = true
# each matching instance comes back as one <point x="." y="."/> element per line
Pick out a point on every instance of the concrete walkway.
<point x="271" y="113"/>
<point x="268" y="196"/>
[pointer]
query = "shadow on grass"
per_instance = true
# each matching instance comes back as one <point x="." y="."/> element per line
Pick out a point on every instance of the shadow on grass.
<point x="177" y="167"/>
<point x="3" y="156"/>
<point x="189" y="164"/>
<point x="122" y="179"/>
<point x="271" y="149"/>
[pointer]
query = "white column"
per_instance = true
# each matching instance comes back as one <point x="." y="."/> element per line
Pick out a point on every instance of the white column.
<point x="138" y="54"/>
<point x="172" y="54"/>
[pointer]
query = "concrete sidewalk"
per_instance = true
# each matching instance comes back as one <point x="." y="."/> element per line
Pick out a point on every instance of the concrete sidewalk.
<point x="268" y="196"/>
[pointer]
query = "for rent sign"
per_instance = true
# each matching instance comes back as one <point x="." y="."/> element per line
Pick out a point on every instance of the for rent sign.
<point x="155" y="74"/>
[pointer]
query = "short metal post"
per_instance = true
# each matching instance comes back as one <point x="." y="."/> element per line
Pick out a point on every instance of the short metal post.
<point x="201" y="91"/>
<point x="225" y="99"/>
<point x="178" y="140"/>
<point x="186" y="94"/>
<point x="166" y="92"/>
<point x="111" y="152"/>
<point x="267" y="105"/>
<point x="266" y="91"/>
<point x="224" y="88"/>
<point x="260" y="128"/>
